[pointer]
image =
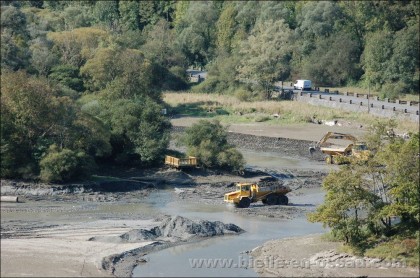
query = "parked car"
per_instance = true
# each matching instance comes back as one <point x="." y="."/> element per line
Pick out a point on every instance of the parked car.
<point x="302" y="85"/>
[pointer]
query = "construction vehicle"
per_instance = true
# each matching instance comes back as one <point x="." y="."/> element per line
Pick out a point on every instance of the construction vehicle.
<point x="269" y="193"/>
<point x="175" y="162"/>
<point x="339" y="153"/>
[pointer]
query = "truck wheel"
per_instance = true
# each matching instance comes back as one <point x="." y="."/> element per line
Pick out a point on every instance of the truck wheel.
<point x="271" y="199"/>
<point x="283" y="200"/>
<point x="244" y="203"/>
<point x="264" y="201"/>
<point x="329" y="160"/>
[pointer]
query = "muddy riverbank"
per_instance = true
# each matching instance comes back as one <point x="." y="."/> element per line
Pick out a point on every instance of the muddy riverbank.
<point x="50" y="229"/>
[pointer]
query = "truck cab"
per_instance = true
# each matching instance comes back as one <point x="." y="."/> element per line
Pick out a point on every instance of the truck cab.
<point x="302" y="84"/>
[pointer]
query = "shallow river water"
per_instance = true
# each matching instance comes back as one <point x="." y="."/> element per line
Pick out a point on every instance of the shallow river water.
<point x="178" y="260"/>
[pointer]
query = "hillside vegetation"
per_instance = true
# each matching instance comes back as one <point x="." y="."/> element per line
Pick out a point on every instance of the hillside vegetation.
<point x="82" y="81"/>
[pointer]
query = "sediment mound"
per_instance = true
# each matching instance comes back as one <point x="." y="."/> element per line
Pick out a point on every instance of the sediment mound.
<point x="174" y="229"/>
<point x="179" y="227"/>
<point x="182" y="227"/>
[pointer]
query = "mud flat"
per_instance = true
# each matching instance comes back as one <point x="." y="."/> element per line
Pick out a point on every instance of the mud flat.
<point x="311" y="256"/>
<point x="64" y="250"/>
<point x="105" y="228"/>
<point x="102" y="247"/>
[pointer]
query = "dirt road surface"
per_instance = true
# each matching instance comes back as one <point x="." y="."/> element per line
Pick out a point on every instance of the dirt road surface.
<point x="308" y="131"/>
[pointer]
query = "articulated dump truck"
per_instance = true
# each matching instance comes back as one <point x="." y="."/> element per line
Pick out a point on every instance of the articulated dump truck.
<point x="269" y="193"/>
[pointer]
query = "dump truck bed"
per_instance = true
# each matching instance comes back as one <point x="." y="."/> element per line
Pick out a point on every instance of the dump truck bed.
<point x="334" y="149"/>
<point x="191" y="161"/>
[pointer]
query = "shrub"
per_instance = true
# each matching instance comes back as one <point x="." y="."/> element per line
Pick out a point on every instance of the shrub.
<point x="243" y="94"/>
<point x="207" y="140"/>
<point x="261" y="118"/>
<point x="64" y="164"/>
<point x="392" y="90"/>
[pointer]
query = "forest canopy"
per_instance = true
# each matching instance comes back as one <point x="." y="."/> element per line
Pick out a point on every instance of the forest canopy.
<point x="82" y="80"/>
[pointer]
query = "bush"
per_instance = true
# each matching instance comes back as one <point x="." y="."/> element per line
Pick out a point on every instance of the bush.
<point x="243" y="94"/>
<point x="64" y="165"/>
<point x="261" y="118"/>
<point x="392" y="90"/>
<point x="208" y="142"/>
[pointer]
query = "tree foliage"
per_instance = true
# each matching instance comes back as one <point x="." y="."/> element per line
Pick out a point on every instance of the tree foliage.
<point x="266" y="55"/>
<point x="35" y="116"/>
<point x="85" y="63"/>
<point x="379" y="197"/>
<point x="208" y="141"/>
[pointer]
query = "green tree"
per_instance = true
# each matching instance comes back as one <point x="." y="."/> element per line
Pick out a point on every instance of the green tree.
<point x="226" y="28"/>
<point x="42" y="59"/>
<point x="125" y="69"/>
<point x="333" y="62"/>
<point x="276" y="10"/>
<point x="77" y="16"/>
<point x="14" y="39"/>
<point x="180" y="11"/>
<point x="129" y="12"/>
<point x="362" y="199"/>
<point x="404" y="64"/>
<point x="198" y="38"/>
<point x="266" y="55"/>
<point x="60" y="165"/>
<point x="160" y="46"/>
<point x="75" y="47"/>
<point x="344" y="203"/>
<point x="67" y="75"/>
<point x="139" y="133"/>
<point x="221" y="76"/>
<point x="377" y="56"/>
<point x="401" y="159"/>
<point x="319" y="19"/>
<point x="34" y="116"/>
<point x="248" y="13"/>
<point x="106" y="13"/>
<point x="208" y="141"/>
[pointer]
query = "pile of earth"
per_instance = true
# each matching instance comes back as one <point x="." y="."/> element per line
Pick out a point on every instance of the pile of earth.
<point x="171" y="231"/>
<point x="176" y="228"/>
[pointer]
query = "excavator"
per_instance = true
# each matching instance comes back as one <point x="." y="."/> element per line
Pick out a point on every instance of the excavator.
<point x="338" y="153"/>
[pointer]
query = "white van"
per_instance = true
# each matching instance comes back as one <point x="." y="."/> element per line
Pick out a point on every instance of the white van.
<point x="302" y="85"/>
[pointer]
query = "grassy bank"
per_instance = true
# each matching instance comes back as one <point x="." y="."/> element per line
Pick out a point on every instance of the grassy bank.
<point x="395" y="248"/>
<point x="229" y="109"/>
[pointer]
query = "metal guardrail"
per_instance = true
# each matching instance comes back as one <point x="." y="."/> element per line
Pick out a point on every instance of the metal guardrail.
<point x="365" y="96"/>
<point x="363" y="103"/>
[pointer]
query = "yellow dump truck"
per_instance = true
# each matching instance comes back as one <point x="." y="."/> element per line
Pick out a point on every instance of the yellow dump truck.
<point x="247" y="193"/>
<point x="341" y="148"/>
<point x="175" y="162"/>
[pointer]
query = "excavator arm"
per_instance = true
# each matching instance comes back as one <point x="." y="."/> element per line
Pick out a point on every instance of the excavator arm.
<point x="335" y="135"/>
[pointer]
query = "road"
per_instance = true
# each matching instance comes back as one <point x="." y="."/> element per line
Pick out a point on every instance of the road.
<point x="196" y="73"/>
<point x="372" y="102"/>
<point x="413" y="109"/>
